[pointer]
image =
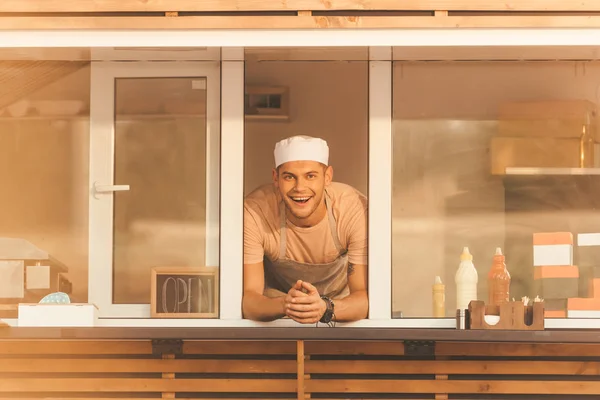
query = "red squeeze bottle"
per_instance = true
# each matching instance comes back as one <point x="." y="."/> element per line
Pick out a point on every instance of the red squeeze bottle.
<point x="498" y="280"/>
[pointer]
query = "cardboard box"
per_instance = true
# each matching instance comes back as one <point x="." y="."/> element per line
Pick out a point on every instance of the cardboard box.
<point x="588" y="239"/>
<point x="524" y="152"/>
<point x="583" y="304"/>
<point x="589" y="257"/>
<point x="57" y="315"/>
<point x="550" y="238"/>
<point x="12" y="279"/>
<point x="589" y="281"/>
<point x="555" y="313"/>
<point x="557" y="288"/>
<point x="583" y="314"/>
<point x="549" y="118"/>
<point x="555" y="254"/>
<point x="594" y="288"/>
<point x="555" y="272"/>
<point x="556" y="282"/>
<point x="37" y="277"/>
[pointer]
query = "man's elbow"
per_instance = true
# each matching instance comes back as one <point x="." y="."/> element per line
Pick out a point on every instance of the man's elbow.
<point x="364" y="310"/>
<point x="247" y="307"/>
<point x="360" y="307"/>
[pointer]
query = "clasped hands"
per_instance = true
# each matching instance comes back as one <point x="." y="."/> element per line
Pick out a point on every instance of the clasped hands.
<point x="304" y="304"/>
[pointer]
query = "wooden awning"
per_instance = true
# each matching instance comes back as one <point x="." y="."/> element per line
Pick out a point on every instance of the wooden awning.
<point x="296" y="14"/>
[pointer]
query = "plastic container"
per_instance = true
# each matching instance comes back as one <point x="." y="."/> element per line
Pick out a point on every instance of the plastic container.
<point x="498" y="280"/>
<point x="439" y="298"/>
<point x="466" y="281"/>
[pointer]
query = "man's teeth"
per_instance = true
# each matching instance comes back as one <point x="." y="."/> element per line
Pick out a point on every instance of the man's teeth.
<point x="300" y="198"/>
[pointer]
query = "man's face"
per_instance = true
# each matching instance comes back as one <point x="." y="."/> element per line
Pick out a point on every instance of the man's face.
<point x="302" y="184"/>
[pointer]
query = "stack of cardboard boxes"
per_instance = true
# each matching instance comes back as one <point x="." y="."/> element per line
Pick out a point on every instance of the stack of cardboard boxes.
<point x="569" y="289"/>
<point x="27" y="274"/>
<point x="545" y="134"/>
<point x="556" y="278"/>
<point x="588" y="258"/>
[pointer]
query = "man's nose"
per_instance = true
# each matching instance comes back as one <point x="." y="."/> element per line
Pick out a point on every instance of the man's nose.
<point x="300" y="184"/>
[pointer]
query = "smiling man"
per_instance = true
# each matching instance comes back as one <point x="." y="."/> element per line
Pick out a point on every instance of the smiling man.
<point x="305" y="241"/>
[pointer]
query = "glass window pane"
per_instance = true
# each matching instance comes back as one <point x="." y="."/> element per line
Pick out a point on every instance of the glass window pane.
<point x="495" y="155"/>
<point x="322" y="93"/>
<point x="44" y="147"/>
<point x="160" y="151"/>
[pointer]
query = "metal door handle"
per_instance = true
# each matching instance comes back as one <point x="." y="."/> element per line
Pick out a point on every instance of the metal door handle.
<point x="108" y="188"/>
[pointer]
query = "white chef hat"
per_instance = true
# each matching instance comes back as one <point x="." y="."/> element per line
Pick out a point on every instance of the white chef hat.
<point x="301" y="148"/>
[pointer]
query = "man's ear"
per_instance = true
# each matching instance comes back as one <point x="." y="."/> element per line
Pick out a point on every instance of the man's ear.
<point x="275" y="177"/>
<point x="328" y="175"/>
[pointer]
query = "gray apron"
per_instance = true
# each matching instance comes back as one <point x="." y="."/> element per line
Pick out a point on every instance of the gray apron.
<point x="330" y="279"/>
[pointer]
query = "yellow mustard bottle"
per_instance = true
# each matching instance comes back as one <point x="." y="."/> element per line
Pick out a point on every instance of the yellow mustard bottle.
<point x="439" y="298"/>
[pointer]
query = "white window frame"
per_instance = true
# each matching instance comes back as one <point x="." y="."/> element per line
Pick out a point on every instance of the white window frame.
<point x="232" y="246"/>
<point x="232" y="185"/>
<point x="102" y="149"/>
<point x="380" y="182"/>
<point x="343" y="37"/>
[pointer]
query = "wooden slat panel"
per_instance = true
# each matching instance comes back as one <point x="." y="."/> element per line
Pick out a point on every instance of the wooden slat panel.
<point x="105" y="385"/>
<point x="354" y="348"/>
<point x="291" y="5"/>
<point x="13" y="347"/>
<point x="234" y="347"/>
<point x="291" y="334"/>
<point x="315" y="22"/>
<point x="300" y="358"/>
<point x="21" y="78"/>
<point x="517" y="349"/>
<point x="451" y="387"/>
<point x="65" y="365"/>
<point x="452" y="367"/>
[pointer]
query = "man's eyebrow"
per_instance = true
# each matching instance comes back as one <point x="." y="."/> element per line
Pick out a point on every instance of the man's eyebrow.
<point x="305" y="173"/>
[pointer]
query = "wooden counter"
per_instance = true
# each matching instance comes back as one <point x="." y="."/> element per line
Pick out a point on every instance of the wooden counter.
<point x="302" y="362"/>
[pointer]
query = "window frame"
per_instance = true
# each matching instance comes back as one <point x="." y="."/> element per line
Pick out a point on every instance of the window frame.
<point x="232" y="43"/>
<point x="101" y="171"/>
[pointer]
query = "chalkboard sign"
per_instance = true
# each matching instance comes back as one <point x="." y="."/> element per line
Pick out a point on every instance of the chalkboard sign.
<point x="185" y="292"/>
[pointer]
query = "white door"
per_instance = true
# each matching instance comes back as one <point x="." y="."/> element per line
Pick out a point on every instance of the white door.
<point x="154" y="177"/>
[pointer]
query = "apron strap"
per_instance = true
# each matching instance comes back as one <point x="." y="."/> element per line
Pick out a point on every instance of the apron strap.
<point x="282" y="234"/>
<point x="332" y="228"/>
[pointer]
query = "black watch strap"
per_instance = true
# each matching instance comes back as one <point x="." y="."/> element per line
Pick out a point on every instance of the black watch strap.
<point x="329" y="312"/>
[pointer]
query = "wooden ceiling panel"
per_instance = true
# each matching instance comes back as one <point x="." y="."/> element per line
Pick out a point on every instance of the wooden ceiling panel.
<point x="98" y="6"/>
<point x="266" y="21"/>
<point x="296" y="14"/>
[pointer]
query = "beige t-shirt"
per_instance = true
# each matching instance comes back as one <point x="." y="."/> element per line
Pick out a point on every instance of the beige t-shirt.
<point x="306" y="245"/>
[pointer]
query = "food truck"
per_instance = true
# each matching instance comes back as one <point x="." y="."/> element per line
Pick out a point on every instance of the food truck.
<point x="132" y="131"/>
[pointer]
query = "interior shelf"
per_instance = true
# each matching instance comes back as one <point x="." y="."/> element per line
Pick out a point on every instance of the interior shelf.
<point x="552" y="171"/>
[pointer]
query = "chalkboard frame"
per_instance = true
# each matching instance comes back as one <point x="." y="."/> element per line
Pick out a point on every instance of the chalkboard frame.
<point x="187" y="271"/>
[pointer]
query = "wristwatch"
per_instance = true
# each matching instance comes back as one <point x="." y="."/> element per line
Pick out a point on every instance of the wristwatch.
<point x="329" y="312"/>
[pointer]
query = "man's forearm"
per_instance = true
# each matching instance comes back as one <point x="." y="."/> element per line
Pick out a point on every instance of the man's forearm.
<point x="261" y="308"/>
<point x="353" y="307"/>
